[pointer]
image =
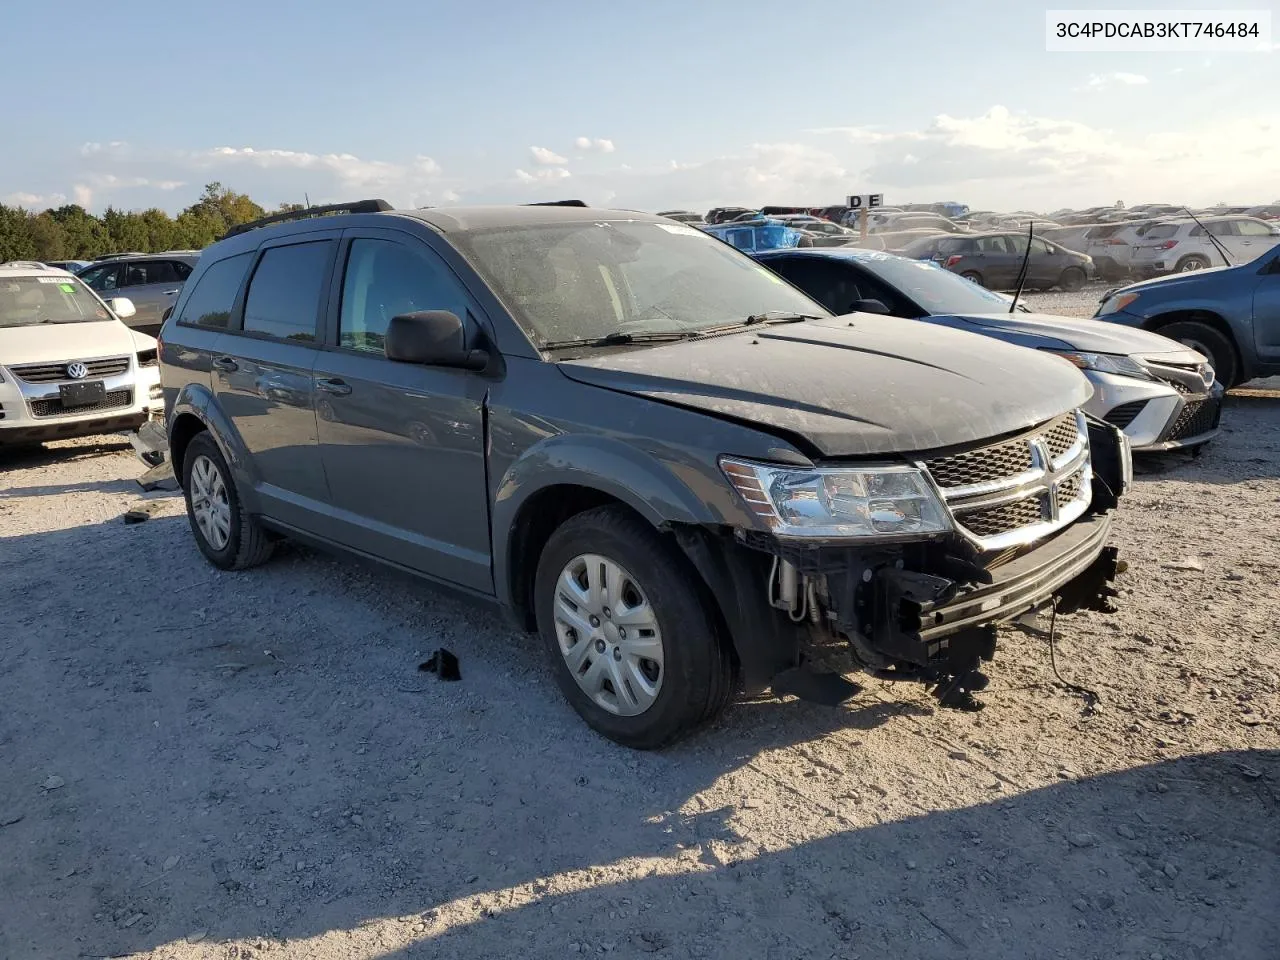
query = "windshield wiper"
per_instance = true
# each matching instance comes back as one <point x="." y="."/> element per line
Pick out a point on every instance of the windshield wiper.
<point x="777" y="316"/>
<point x="620" y="337"/>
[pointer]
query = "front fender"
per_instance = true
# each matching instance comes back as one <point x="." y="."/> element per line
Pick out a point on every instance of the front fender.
<point x="196" y="399"/>
<point x="661" y="490"/>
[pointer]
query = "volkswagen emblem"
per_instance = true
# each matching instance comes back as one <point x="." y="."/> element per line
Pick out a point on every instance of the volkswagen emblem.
<point x="77" y="370"/>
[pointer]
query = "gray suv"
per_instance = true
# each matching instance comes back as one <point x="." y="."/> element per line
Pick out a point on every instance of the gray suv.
<point x="688" y="477"/>
<point x="151" y="282"/>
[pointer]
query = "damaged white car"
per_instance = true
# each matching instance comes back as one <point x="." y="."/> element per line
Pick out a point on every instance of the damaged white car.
<point x="69" y="366"/>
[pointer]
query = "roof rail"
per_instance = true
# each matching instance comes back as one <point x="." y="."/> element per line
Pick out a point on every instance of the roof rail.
<point x="557" y="203"/>
<point x="356" y="206"/>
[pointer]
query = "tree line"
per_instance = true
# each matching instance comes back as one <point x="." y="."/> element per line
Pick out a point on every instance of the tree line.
<point x="70" y="232"/>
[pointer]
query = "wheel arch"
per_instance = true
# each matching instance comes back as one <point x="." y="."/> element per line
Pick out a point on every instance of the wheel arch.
<point x="1208" y="318"/>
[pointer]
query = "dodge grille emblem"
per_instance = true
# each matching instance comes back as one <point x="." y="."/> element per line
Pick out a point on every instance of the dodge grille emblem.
<point x="77" y="370"/>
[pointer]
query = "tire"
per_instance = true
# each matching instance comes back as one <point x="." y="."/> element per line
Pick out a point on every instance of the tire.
<point x="694" y="679"/>
<point x="246" y="543"/>
<point x="1191" y="263"/>
<point x="1072" y="279"/>
<point x="1201" y="337"/>
<point x="974" y="276"/>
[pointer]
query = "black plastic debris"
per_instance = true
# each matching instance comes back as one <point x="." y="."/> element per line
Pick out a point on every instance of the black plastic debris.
<point x="442" y="663"/>
<point x="141" y="512"/>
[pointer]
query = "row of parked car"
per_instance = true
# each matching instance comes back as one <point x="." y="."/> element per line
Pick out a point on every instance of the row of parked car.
<point x="651" y="450"/>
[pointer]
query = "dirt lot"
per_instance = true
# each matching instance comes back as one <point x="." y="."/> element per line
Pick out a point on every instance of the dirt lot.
<point x="196" y="764"/>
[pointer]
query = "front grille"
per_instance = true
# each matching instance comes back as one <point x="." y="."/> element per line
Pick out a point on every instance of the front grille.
<point x="979" y="466"/>
<point x="1017" y="491"/>
<point x="54" y="407"/>
<point x="1197" y="417"/>
<point x="1061" y="434"/>
<point x="57" y="372"/>
<point x="1126" y="413"/>
<point x="993" y="521"/>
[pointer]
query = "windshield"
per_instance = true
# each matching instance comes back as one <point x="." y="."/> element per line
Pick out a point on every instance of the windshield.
<point x="591" y="279"/>
<point x="937" y="290"/>
<point x="25" y="301"/>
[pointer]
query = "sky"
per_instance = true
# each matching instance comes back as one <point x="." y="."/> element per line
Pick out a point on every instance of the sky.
<point x="652" y="106"/>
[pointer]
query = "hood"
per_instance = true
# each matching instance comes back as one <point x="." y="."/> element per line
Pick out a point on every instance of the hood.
<point x="1173" y="280"/>
<point x="1042" y="330"/>
<point x="53" y="342"/>
<point x="855" y="385"/>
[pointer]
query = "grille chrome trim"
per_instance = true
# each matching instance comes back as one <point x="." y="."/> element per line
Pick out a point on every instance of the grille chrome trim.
<point x="97" y="368"/>
<point x="1057" y="487"/>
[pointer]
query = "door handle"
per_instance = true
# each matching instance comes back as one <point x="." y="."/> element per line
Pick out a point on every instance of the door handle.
<point x="225" y="364"/>
<point x="171" y="293"/>
<point x="334" y="387"/>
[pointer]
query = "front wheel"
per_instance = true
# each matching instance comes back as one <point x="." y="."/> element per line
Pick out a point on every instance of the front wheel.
<point x="973" y="276"/>
<point x="1212" y="344"/>
<point x="632" y="644"/>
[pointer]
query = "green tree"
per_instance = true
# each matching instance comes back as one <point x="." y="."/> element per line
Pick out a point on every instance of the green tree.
<point x="48" y="237"/>
<point x="16" y="242"/>
<point x="85" y="236"/>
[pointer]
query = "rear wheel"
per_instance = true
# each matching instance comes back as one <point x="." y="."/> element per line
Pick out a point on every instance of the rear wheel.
<point x="1204" y="339"/>
<point x="1072" y="279"/>
<point x="1191" y="263"/>
<point x="974" y="276"/>
<point x="225" y="532"/>
<point x="632" y="645"/>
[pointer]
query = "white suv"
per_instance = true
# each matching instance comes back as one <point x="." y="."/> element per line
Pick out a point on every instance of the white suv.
<point x="69" y="366"/>
<point x="1180" y="246"/>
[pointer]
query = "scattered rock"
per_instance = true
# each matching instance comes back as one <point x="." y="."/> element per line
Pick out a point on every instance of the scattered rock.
<point x="1081" y="904"/>
<point x="7" y="819"/>
<point x="130" y="921"/>
<point x="1127" y="831"/>
<point x="958" y="755"/>
<point x="1186" y="563"/>
<point x="751" y="803"/>
<point x="1082" y="839"/>
<point x="264" y="741"/>
<point x="1170" y="871"/>
<point x="54" y="783"/>
<point x="171" y="862"/>
<point x="262" y="902"/>
<point x="357" y="819"/>
<point x="195" y="936"/>
<point x="911" y="864"/>
<point x="1104" y="901"/>
<point x="1232" y="575"/>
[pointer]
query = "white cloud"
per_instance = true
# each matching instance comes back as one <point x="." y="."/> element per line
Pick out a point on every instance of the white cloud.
<point x="1103" y="81"/>
<point x="83" y="195"/>
<point x="599" y="145"/>
<point x="547" y="174"/>
<point x="546" y="157"/>
<point x="34" y="201"/>
<point x="93" y="148"/>
<point x="110" y="181"/>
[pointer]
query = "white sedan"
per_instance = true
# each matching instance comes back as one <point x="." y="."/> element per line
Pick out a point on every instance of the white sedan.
<point x="69" y="366"/>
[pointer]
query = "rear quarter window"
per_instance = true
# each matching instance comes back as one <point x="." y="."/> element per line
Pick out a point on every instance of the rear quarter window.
<point x="214" y="294"/>
<point x="1161" y="232"/>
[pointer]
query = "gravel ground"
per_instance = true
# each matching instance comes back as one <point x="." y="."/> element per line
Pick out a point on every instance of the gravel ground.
<point x="199" y="765"/>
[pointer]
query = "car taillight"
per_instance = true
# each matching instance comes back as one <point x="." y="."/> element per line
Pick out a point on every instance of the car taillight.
<point x="1168" y="244"/>
<point x="952" y="260"/>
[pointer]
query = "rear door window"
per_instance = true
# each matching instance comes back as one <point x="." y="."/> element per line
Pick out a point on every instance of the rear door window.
<point x="286" y="289"/>
<point x="992" y="245"/>
<point x="215" y="292"/>
<point x="1161" y="231"/>
<point x="1038" y="246"/>
<point x="150" y="271"/>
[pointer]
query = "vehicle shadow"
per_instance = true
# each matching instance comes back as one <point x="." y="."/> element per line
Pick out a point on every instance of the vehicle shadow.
<point x="1248" y="447"/>
<point x="57" y="489"/>
<point x="253" y="756"/>
<point x="41" y="455"/>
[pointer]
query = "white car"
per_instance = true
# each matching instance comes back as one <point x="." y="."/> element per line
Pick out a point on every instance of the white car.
<point x="1181" y="246"/>
<point x="69" y="366"/>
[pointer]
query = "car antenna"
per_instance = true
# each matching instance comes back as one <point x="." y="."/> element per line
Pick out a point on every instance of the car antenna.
<point x="1022" y="271"/>
<point x="1214" y="240"/>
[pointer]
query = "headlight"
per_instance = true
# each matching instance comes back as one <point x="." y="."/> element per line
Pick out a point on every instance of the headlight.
<point x="872" y="502"/>
<point x="1113" y="303"/>
<point x="1106" y="363"/>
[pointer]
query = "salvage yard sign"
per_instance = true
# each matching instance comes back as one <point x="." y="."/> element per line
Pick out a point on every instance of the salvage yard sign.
<point x="864" y="203"/>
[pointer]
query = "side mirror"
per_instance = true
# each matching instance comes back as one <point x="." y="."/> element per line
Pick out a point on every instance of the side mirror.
<point x="868" y="306"/>
<point x="435" y="338"/>
<point x="122" y="307"/>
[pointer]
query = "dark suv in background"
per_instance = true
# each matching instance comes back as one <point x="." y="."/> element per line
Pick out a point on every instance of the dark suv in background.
<point x="995" y="259"/>
<point x="685" y="474"/>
